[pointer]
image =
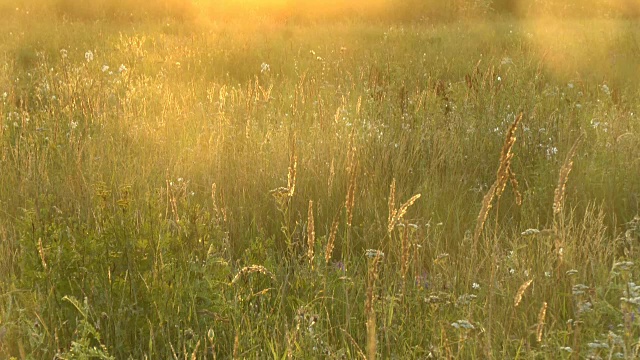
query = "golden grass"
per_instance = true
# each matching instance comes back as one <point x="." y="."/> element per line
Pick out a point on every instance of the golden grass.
<point x="541" y="317"/>
<point x="252" y="269"/>
<point x="503" y="175"/>
<point x="558" y="194"/>
<point x="518" y="298"/>
<point x="372" y="277"/>
<point x="396" y="215"/>
<point x="392" y="205"/>
<point x="311" y="233"/>
<point x="293" y="169"/>
<point x="332" y="238"/>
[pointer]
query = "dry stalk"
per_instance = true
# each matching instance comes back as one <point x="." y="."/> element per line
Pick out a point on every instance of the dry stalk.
<point x="392" y="204"/>
<point x="311" y="233"/>
<point x="541" y="317"/>
<point x="369" y="307"/>
<point x="404" y="266"/>
<point x="41" y="253"/>
<point x="503" y="175"/>
<point x="291" y="175"/>
<point x="515" y="186"/>
<point x="332" y="238"/>
<point x="351" y="194"/>
<point x="484" y="211"/>
<point x="399" y="214"/>
<point x="252" y="269"/>
<point x="236" y="344"/>
<point x="558" y="198"/>
<point x="520" y="293"/>
<point x="332" y="174"/>
<point x="506" y="155"/>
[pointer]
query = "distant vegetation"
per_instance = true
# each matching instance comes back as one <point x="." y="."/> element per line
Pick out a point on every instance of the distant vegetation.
<point x="315" y="10"/>
<point x="405" y="180"/>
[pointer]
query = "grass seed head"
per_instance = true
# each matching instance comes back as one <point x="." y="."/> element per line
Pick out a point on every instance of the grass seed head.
<point x="558" y="194"/>
<point x="332" y="238"/>
<point x="520" y="293"/>
<point x="541" y="317"/>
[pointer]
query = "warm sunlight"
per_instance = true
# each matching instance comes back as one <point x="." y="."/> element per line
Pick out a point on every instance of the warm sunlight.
<point x="319" y="179"/>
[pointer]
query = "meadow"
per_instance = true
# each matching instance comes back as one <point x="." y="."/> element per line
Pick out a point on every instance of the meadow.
<point x="184" y="186"/>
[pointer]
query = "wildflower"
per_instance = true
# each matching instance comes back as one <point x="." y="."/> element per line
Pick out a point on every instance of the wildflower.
<point x="547" y="274"/>
<point x="598" y="345"/>
<point x="105" y="68"/>
<point x="566" y="348"/>
<point x="264" y="67"/>
<point x="529" y="232"/>
<point x="373" y="253"/>
<point x="570" y="85"/>
<point x="73" y="124"/>
<point x="551" y="150"/>
<point x="499" y="78"/>
<point x="63" y="53"/>
<point x="624" y="265"/>
<point x="88" y="56"/>
<point x="606" y="89"/>
<point x="465" y="324"/>
<point x="475" y="286"/>
<point x="122" y="68"/>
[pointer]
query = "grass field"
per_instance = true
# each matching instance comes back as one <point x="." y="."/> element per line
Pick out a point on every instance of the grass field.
<point x="191" y="187"/>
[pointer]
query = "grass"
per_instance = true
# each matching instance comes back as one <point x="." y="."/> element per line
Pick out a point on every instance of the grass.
<point x="199" y="189"/>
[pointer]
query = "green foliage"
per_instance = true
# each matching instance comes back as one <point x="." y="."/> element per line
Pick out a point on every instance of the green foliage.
<point x="149" y="172"/>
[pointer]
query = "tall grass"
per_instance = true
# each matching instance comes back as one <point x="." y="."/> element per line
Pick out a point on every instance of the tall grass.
<point x="199" y="189"/>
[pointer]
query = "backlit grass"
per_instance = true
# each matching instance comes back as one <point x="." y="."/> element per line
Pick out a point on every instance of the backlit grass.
<point x="190" y="187"/>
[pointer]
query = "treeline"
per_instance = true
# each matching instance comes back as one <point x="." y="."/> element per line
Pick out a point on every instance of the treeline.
<point x="314" y="10"/>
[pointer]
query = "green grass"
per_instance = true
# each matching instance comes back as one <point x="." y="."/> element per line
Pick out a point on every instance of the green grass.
<point x="113" y="245"/>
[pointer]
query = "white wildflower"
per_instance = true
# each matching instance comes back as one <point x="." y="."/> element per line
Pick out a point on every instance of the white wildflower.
<point x="530" y="232"/>
<point x="88" y="56"/>
<point x="373" y="253"/>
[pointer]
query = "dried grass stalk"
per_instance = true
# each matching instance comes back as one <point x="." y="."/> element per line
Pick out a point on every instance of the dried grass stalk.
<point x="41" y="253"/>
<point x="484" y="211"/>
<point x="252" y="269"/>
<point x="332" y="238"/>
<point x="292" y="173"/>
<point x="332" y="174"/>
<point x="520" y="293"/>
<point x="370" y="312"/>
<point x="503" y="175"/>
<point x="515" y="186"/>
<point x="392" y="204"/>
<point x="404" y="266"/>
<point x="351" y="194"/>
<point x="399" y="214"/>
<point x="311" y="233"/>
<point x="506" y="155"/>
<point x="558" y="194"/>
<point x="541" y="317"/>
